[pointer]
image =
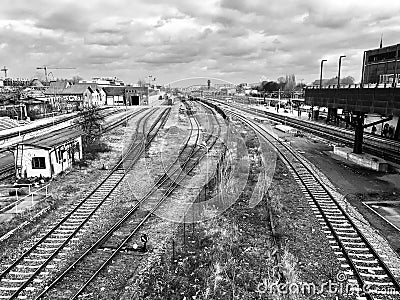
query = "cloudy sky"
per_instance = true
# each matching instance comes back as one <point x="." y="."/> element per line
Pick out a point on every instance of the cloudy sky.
<point x="235" y="40"/>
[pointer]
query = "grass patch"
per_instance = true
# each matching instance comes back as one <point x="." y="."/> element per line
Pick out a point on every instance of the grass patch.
<point x="92" y="151"/>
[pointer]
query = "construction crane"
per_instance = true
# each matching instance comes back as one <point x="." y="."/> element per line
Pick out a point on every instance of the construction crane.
<point x="5" y="71"/>
<point x="45" y="68"/>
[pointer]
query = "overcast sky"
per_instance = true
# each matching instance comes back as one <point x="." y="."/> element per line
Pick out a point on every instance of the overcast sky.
<point x="235" y="40"/>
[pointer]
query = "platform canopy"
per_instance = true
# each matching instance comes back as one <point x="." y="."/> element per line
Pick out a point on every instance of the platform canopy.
<point x="58" y="137"/>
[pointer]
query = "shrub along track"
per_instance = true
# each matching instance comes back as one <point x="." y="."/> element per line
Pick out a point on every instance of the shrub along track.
<point x="24" y="275"/>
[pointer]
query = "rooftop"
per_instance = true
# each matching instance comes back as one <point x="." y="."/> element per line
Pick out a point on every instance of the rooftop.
<point x="56" y="138"/>
<point x="114" y="90"/>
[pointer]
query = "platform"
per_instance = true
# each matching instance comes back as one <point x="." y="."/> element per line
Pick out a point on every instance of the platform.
<point x="364" y="160"/>
<point x="286" y="129"/>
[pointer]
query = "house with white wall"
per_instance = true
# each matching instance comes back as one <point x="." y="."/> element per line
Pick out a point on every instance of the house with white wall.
<point x="47" y="156"/>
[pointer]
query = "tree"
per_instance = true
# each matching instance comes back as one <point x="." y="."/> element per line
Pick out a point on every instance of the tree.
<point x="90" y="121"/>
<point x="290" y="82"/>
<point x="333" y="81"/>
<point x="347" y="80"/>
<point x="281" y="82"/>
<point x="269" y="86"/>
<point x="141" y="82"/>
<point x="76" y="79"/>
<point x="299" y="86"/>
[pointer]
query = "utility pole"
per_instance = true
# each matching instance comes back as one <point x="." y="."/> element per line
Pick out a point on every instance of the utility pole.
<point x="340" y="65"/>
<point x="148" y="89"/>
<point x="320" y="76"/>
<point x="5" y="72"/>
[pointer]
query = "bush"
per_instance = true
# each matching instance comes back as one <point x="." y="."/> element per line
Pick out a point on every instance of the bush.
<point x="92" y="150"/>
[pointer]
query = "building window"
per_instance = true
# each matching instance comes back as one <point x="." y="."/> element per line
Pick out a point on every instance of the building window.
<point x="38" y="163"/>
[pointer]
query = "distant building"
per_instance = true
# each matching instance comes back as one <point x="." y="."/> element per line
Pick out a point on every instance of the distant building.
<point x="105" y="81"/>
<point x="16" y="82"/>
<point x="136" y="95"/>
<point x="54" y="91"/>
<point x="82" y="95"/>
<point x="381" y="65"/>
<point x="36" y="107"/>
<point x="115" y="95"/>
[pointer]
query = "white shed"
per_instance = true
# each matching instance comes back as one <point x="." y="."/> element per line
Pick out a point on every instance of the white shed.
<point x="48" y="155"/>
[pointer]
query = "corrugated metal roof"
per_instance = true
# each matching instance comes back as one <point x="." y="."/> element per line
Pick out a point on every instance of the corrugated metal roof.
<point x="76" y="89"/>
<point x="56" y="87"/>
<point x="114" y="90"/>
<point x="53" y="139"/>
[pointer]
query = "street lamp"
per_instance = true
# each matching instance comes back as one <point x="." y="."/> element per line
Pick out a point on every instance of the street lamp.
<point x="340" y="64"/>
<point x="320" y="76"/>
<point x="148" y="90"/>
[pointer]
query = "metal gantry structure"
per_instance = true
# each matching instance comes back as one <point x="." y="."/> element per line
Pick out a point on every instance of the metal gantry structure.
<point x="45" y="68"/>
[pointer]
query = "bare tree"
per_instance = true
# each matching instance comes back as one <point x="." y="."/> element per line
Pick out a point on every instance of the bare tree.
<point x="76" y="79"/>
<point x="141" y="82"/>
<point x="90" y="121"/>
<point x="333" y="81"/>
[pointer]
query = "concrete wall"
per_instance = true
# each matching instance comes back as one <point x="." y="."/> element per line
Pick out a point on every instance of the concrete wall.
<point x="28" y="153"/>
<point x="115" y="100"/>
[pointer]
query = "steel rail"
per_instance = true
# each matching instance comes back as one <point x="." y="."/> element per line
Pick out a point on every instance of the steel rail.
<point x="383" y="147"/>
<point x="300" y="160"/>
<point x="58" y="225"/>
<point x="117" y="225"/>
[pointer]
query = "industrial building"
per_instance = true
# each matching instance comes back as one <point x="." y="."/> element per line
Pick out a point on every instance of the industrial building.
<point x="377" y="94"/>
<point x="380" y="66"/>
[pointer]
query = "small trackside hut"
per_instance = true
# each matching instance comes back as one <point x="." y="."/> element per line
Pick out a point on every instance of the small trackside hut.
<point x="48" y="155"/>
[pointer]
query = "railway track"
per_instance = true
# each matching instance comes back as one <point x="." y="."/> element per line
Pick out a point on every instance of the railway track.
<point x="7" y="171"/>
<point x="44" y="126"/>
<point x="23" y="276"/>
<point x="382" y="147"/>
<point x="80" y="274"/>
<point x="362" y="266"/>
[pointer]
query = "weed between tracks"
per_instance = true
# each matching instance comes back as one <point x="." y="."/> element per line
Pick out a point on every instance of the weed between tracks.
<point x="233" y="255"/>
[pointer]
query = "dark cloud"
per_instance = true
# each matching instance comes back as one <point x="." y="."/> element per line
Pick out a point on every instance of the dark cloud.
<point x="331" y="21"/>
<point x="65" y="19"/>
<point x="242" y="40"/>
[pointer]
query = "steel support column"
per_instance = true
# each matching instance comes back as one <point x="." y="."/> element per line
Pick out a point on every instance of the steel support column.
<point x="358" y="121"/>
<point x="397" y="130"/>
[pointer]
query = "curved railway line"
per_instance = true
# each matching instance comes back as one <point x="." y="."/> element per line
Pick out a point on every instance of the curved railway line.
<point x="19" y="278"/>
<point x="362" y="265"/>
<point x="380" y="146"/>
<point x="90" y="264"/>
